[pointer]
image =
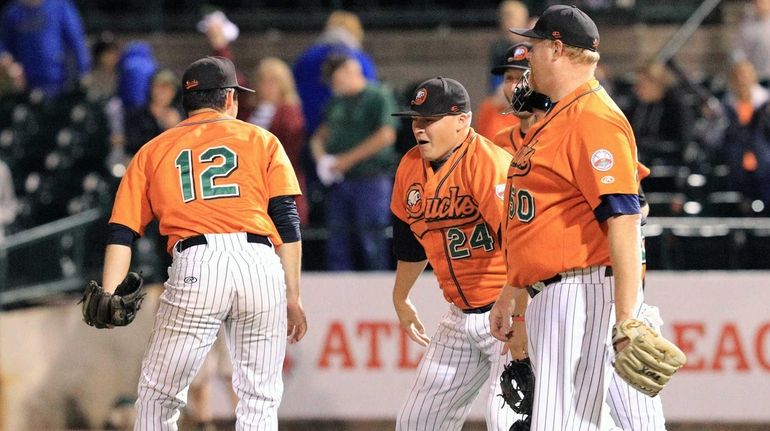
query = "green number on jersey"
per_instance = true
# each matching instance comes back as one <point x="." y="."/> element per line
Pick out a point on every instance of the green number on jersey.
<point x="522" y="204"/>
<point x="230" y="163"/>
<point x="209" y="190"/>
<point x="481" y="238"/>
<point x="183" y="162"/>
<point x="456" y="238"/>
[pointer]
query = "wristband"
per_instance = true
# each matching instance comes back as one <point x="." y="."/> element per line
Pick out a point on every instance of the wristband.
<point x="517" y="317"/>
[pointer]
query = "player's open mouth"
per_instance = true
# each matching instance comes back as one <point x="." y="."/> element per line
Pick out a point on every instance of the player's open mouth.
<point x="423" y="141"/>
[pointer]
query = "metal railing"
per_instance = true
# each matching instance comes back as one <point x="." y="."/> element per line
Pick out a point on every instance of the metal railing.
<point x="32" y="250"/>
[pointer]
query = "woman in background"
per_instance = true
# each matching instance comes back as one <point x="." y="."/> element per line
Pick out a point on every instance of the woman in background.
<point x="278" y="110"/>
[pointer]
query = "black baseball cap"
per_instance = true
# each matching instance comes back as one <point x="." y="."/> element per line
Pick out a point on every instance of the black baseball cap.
<point x="517" y="57"/>
<point x="438" y="97"/>
<point x="211" y="73"/>
<point x="567" y="24"/>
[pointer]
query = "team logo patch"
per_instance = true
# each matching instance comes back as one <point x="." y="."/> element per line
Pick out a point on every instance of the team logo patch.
<point x="595" y="43"/>
<point x="500" y="191"/>
<point x="415" y="204"/>
<point x="519" y="55"/>
<point x="602" y="160"/>
<point x="190" y="280"/>
<point x="190" y="84"/>
<point x="420" y="96"/>
<point x="556" y="35"/>
<point x="608" y="179"/>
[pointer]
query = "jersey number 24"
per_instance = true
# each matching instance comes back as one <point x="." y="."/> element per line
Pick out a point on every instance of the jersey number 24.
<point x="209" y="190"/>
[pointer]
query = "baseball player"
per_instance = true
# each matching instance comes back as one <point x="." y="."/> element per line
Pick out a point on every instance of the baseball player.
<point x="447" y="202"/>
<point x="491" y="118"/>
<point x="223" y="192"/>
<point x="571" y="231"/>
<point x="629" y="409"/>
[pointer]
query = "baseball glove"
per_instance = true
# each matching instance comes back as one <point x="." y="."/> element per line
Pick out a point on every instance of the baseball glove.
<point x="517" y="384"/>
<point x="105" y="310"/>
<point x="649" y="360"/>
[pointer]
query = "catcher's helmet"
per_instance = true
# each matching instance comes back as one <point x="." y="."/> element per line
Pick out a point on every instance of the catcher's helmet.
<point x="524" y="99"/>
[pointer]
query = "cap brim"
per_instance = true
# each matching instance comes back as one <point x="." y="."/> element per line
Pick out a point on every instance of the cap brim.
<point x="244" y="89"/>
<point x="526" y="32"/>
<point x="406" y="114"/>
<point x="499" y="70"/>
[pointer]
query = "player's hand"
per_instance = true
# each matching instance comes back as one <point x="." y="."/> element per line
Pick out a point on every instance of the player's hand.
<point x="500" y="320"/>
<point x="297" y="322"/>
<point x="410" y="322"/>
<point x="517" y="345"/>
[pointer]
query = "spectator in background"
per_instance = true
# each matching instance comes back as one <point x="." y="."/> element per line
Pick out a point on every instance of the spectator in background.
<point x="43" y="35"/>
<point x="136" y="68"/>
<point x="510" y="14"/>
<point x="353" y="150"/>
<point x="160" y="114"/>
<point x="221" y="32"/>
<point x="279" y="110"/>
<point x="343" y="34"/>
<point x="104" y="76"/>
<point x="745" y="145"/>
<point x="753" y="41"/>
<point x="661" y="121"/>
<point x="491" y="118"/>
<point x="8" y="203"/>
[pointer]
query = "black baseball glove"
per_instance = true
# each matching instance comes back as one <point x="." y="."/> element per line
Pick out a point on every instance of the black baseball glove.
<point x="105" y="310"/>
<point x="517" y="384"/>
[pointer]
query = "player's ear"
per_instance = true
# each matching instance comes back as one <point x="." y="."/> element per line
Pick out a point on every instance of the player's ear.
<point x="558" y="48"/>
<point x="463" y="120"/>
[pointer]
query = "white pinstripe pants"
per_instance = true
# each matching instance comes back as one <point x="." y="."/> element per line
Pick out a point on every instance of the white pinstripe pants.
<point x="461" y="358"/>
<point x="569" y="326"/>
<point x="228" y="281"/>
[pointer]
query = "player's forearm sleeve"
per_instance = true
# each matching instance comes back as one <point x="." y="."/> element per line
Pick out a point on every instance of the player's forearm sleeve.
<point x="617" y="204"/>
<point x="405" y="244"/>
<point x="283" y="212"/>
<point x="122" y="235"/>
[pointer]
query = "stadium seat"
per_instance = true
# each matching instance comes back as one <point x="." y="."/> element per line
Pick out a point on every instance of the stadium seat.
<point x="724" y="204"/>
<point x="663" y="204"/>
<point x="666" y="179"/>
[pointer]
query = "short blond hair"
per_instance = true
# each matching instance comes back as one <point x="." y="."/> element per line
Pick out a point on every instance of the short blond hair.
<point x="347" y="21"/>
<point x="581" y="55"/>
<point x="278" y="68"/>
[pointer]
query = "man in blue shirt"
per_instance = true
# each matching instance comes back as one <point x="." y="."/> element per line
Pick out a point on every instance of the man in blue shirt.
<point x="42" y="35"/>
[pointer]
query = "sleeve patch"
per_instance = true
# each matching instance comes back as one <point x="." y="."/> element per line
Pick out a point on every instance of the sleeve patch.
<point x="602" y="160"/>
<point x="500" y="191"/>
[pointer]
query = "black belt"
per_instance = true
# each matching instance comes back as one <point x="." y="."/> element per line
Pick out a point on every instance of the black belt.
<point x="201" y="240"/>
<point x="557" y="278"/>
<point x="478" y="310"/>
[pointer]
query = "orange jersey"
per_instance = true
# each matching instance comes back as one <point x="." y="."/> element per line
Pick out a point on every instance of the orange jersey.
<point x="490" y="120"/>
<point x="455" y="214"/>
<point x="509" y="138"/>
<point x="583" y="149"/>
<point x="209" y="174"/>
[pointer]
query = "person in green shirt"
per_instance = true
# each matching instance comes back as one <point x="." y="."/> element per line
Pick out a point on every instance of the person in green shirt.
<point x="355" y="158"/>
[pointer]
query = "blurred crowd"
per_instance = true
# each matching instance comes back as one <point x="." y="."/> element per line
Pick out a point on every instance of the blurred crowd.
<point x="74" y="108"/>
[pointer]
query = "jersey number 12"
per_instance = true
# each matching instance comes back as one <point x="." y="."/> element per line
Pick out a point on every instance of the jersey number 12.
<point x="209" y="190"/>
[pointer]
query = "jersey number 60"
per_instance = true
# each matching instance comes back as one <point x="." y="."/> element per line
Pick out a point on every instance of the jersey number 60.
<point x="209" y="190"/>
<point x="521" y="204"/>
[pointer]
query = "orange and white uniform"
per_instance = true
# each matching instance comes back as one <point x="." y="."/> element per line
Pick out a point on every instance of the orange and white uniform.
<point x="455" y="214"/>
<point x="583" y="149"/>
<point x="208" y="181"/>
